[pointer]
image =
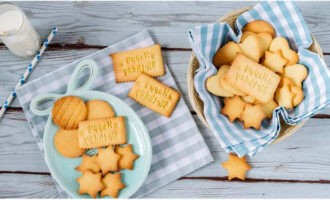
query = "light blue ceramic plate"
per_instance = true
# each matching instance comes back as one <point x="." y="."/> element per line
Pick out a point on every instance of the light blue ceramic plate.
<point x="63" y="169"/>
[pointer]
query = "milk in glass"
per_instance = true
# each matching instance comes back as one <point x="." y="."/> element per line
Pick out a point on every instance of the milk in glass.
<point x="16" y="32"/>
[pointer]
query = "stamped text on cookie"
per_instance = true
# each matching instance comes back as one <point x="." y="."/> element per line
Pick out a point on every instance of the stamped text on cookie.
<point x="102" y="132"/>
<point x="252" y="78"/>
<point x="154" y="95"/>
<point x="129" y="64"/>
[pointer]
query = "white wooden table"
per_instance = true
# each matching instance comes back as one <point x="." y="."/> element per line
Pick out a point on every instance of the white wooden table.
<point x="296" y="167"/>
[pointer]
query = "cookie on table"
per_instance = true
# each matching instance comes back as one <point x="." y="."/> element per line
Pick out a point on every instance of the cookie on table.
<point x="66" y="143"/>
<point x="236" y="167"/>
<point x="68" y="111"/>
<point x="154" y="95"/>
<point x="128" y="65"/>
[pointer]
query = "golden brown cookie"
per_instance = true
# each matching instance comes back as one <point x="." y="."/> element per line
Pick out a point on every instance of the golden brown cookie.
<point x="89" y="163"/>
<point x="66" y="143"/>
<point x="233" y="108"/>
<point x="68" y="111"/>
<point x="226" y="54"/>
<point x="107" y="159"/>
<point x="269" y="107"/>
<point x="129" y="64"/>
<point x="90" y="183"/>
<point x="251" y="48"/>
<point x="154" y="95"/>
<point x="236" y="167"/>
<point x="127" y="157"/>
<point x="252" y="116"/>
<point x="102" y="132"/>
<point x="213" y="83"/>
<point x="259" y="26"/>
<point x="98" y="109"/>
<point x="113" y="185"/>
<point x="252" y="78"/>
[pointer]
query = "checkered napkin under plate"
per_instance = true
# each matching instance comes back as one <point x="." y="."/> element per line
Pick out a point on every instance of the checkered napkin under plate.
<point x="178" y="146"/>
<point x="289" y="23"/>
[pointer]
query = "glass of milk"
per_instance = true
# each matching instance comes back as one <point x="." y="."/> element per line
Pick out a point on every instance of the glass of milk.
<point x="16" y="32"/>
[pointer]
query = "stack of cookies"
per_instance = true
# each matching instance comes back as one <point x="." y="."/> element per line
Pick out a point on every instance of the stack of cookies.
<point x="256" y="75"/>
<point x="93" y="125"/>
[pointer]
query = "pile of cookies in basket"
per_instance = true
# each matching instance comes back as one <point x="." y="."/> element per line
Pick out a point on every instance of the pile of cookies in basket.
<point x="257" y="75"/>
<point x="91" y="125"/>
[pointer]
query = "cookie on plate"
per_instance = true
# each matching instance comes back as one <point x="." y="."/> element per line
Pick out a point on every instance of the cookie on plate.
<point x="68" y="111"/>
<point x="66" y="143"/>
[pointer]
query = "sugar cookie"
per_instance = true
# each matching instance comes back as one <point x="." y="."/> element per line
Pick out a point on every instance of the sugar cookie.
<point x="113" y="185"/>
<point x="102" y="132"/>
<point x="297" y="73"/>
<point x="259" y="26"/>
<point x="107" y="159"/>
<point x="251" y="48"/>
<point x="236" y="167"/>
<point x="89" y="163"/>
<point x="226" y="54"/>
<point x="213" y="83"/>
<point x="127" y="157"/>
<point x="269" y="107"/>
<point x="252" y="78"/>
<point x="90" y="183"/>
<point x="274" y="62"/>
<point x="129" y="64"/>
<point x="98" y="109"/>
<point x="154" y="95"/>
<point x="68" y="111"/>
<point x="233" y="108"/>
<point x="252" y="116"/>
<point x="66" y="143"/>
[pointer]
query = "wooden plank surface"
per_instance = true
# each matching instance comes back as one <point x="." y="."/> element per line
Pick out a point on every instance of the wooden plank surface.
<point x="292" y="168"/>
<point x="102" y="23"/>
<point x="34" y="186"/>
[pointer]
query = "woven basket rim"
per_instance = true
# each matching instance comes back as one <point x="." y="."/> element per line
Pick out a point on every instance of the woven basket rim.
<point x="197" y="104"/>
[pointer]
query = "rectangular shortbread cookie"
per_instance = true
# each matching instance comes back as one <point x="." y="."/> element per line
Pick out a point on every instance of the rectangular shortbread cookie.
<point x="154" y="95"/>
<point x="102" y="132"/>
<point x="129" y="64"/>
<point x="252" y="78"/>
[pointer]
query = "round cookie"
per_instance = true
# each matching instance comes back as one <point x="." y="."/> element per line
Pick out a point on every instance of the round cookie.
<point x="66" y="143"/>
<point x="97" y="109"/>
<point x="68" y="111"/>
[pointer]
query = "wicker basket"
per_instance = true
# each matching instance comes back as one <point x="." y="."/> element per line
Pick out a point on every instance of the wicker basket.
<point x="197" y="104"/>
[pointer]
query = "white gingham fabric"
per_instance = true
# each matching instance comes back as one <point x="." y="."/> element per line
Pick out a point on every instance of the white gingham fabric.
<point x="289" y="23"/>
<point x="178" y="146"/>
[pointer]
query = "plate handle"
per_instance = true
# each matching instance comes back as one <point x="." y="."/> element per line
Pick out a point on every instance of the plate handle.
<point x="85" y="64"/>
<point x="36" y="101"/>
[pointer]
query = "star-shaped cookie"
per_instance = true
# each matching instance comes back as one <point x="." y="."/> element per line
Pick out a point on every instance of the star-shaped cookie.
<point x="90" y="183"/>
<point x="113" y="185"/>
<point x="252" y="116"/>
<point x="233" y="108"/>
<point x="236" y="167"/>
<point x="127" y="157"/>
<point x="88" y="163"/>
<point x="108" y="160"/>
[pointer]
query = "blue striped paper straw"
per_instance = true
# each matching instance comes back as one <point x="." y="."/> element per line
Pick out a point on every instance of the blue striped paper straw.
<point x="28" y="70"/>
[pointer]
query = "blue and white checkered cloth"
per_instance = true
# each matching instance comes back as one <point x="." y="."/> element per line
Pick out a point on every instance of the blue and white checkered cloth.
<point x="289" y="23"/>
<point x="178" y="146"/>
